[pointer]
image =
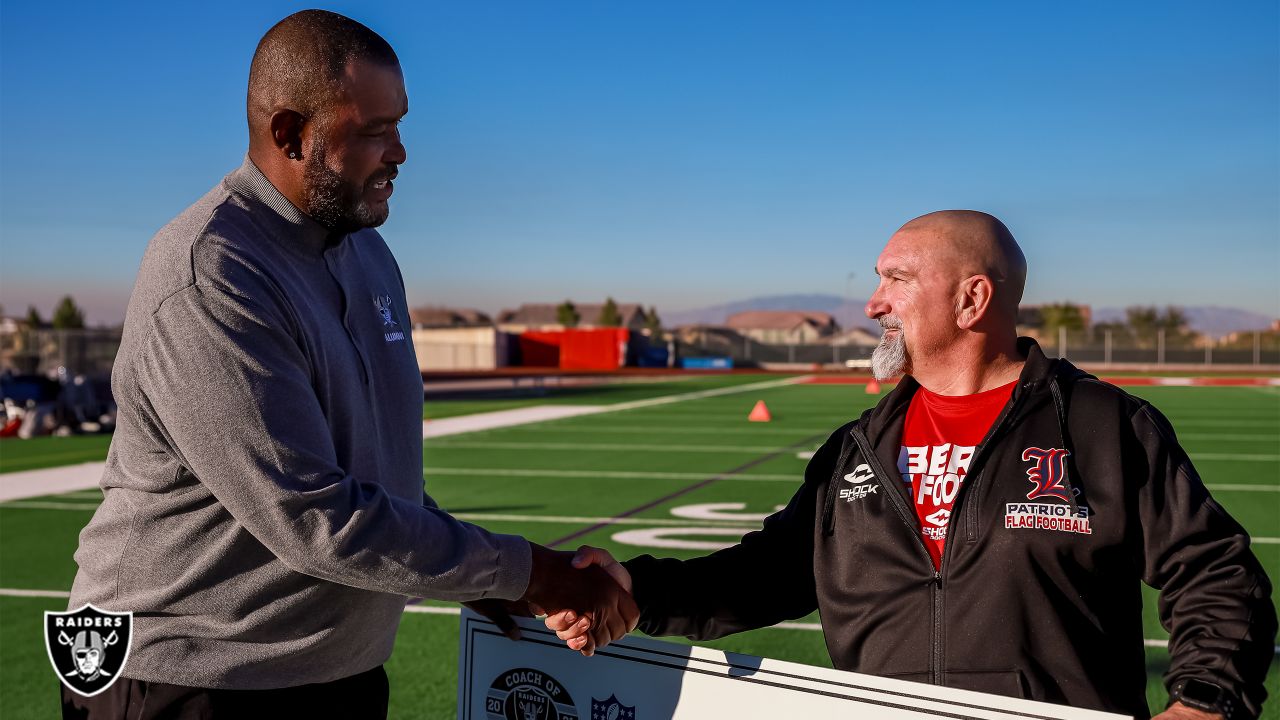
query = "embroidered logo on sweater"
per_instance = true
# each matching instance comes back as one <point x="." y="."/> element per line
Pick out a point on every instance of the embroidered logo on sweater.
<point x="88" y="647"/>
<point x="383" y="305"/>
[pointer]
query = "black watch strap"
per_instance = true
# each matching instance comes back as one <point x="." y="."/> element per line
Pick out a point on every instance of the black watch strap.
<point x="1204" y="695"/>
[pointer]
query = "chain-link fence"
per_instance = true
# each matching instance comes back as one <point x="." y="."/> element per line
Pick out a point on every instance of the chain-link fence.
<point x="1110" y="347"/>
<point x="1091" y="348"/>
<point x="89" y="352"/>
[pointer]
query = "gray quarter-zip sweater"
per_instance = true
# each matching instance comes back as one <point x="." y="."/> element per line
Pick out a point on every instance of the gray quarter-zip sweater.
<point x="264" y="514"/>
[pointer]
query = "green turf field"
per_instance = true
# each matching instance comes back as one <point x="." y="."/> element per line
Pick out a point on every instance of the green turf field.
<point x="554" y="479"/>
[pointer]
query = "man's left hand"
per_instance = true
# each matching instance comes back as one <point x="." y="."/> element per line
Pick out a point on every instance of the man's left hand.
<point x="500" y="612"/>
<point x="1178" y="711"/>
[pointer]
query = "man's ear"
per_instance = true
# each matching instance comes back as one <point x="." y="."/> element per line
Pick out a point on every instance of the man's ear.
<point x="974" y="300"/>
<point x="286" y="132"/>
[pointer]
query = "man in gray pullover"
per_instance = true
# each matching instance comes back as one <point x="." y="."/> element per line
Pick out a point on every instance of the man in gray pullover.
<point x="264" y="514"/>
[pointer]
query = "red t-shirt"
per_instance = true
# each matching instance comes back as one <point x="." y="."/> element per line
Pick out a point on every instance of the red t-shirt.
<point x="938" y="441"/>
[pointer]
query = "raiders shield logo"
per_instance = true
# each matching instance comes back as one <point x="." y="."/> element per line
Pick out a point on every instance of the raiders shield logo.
<point x="88" y="647"/>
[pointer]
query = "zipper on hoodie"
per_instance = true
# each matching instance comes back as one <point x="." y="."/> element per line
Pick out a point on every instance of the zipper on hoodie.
<point x="908" y="516"/>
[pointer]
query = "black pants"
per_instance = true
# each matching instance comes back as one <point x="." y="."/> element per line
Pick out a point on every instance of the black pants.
<point x="359" y="696"/>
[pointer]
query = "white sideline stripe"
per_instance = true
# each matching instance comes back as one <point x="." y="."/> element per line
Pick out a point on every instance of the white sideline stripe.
<point x="454" y="611"/>
<point x="544" y="413"/>
<point x="612" y="474"/>
<point x="50" y="481"/>
<point x="66" y="478"/>
<point x="503" y="418"/>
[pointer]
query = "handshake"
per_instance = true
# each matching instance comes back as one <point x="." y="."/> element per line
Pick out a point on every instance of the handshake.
<point x="585" y="596"/>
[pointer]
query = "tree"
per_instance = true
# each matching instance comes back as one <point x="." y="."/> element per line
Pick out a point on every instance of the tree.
<point x="567" y="314"/>
<point x="33" y="318"/>
<point x="67" y="316"/>
<point x="609" y="315"/>
<point x="653" y="323"/>
<point x="1061" y="315"/>
<point x="1146" y="322"/>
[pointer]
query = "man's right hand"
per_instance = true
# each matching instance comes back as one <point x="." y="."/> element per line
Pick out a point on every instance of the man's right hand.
<point x="573" y="630"/>
<point x="589" y="598"/>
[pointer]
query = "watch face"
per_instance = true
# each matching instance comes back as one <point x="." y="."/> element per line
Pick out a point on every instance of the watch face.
<point x="1201" y="692"/>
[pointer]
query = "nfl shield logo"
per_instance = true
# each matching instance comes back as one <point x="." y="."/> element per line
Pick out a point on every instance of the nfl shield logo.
<point x="88" y="647"/>
<point x="611" y="709"/>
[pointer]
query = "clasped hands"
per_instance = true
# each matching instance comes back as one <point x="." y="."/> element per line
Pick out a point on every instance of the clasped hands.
<point x="586" y="597"/>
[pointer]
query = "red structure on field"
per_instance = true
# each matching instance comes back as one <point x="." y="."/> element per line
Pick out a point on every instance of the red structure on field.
<point x="573" y="349"/>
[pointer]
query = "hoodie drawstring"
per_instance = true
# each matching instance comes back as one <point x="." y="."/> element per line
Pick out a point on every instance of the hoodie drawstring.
<point x="829" y="507"/>
<point x="1064" y="434"/>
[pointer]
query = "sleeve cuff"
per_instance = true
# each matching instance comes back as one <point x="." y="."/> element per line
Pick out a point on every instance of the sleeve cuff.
<point x="514" y="565"/>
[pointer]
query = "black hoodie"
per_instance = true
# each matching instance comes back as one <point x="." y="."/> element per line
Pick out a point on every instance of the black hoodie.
<point x="1039" y="593"/>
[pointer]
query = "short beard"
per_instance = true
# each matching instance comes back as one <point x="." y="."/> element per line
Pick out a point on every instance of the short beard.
<point x="890" y="358"/>
<point x="333" y="201"/>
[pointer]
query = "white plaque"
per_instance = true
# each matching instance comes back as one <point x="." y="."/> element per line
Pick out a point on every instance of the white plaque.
<point x="638" y="678"/>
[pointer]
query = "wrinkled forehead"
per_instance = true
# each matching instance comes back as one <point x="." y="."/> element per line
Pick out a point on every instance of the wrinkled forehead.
<point x="917" y="253"/>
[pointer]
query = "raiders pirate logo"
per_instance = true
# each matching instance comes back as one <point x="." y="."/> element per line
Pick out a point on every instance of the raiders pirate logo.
<point x="88" y="647"/>
<point x="528" y="694"/>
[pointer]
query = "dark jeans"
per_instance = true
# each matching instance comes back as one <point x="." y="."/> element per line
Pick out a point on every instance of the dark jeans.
<point x="359" y="696"/>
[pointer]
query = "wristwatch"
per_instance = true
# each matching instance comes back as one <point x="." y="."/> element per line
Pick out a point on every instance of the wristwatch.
<point x="1203" y="695"/>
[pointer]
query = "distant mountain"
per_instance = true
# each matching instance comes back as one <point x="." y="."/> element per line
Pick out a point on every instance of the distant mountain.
<point x="1207" y="319"/>
<point x="848" y="314"/>
<point x="1210" y="320"/>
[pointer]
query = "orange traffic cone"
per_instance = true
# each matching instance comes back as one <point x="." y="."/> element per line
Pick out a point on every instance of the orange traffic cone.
<point x="760" y="413"/>
<point x="873" y="387"/>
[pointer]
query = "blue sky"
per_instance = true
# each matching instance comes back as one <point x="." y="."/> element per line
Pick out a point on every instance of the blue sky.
<point x="683" y="154"/>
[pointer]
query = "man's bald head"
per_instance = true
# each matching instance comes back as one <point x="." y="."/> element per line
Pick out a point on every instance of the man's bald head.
<point x="300" y="63"/>
<point x="974" y="243"/>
